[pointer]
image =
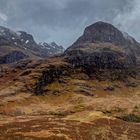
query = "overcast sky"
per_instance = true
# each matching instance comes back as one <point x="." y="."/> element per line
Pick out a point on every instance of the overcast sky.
<point x="63" y="21"/>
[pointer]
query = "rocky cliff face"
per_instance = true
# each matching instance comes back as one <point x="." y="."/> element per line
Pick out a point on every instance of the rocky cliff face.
<point x="101" y="32"/>
<point x="101" y="56"/>
<point x="105" y="47"/>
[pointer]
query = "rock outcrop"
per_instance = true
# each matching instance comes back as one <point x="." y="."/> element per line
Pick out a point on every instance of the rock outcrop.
<point x="101" y="32"/>
<point x="53" y="73"/>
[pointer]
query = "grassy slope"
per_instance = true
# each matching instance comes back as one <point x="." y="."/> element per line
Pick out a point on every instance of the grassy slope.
<point x="89" y="102"/>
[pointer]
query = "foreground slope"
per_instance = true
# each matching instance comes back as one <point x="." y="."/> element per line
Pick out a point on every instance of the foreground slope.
<point x="71" y="106"/>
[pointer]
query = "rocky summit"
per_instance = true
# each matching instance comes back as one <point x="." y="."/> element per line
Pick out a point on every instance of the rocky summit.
<point x="103" y="46"/>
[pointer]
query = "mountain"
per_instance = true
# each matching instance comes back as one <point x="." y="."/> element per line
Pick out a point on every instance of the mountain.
<point x="104" y="46"/>
<point x="91" y="91"/>
<point x="52" y="48"/>
<point x="15" y="46"/>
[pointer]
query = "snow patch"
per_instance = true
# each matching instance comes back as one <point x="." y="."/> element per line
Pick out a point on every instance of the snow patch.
<point x="2" y="31"/>
<point x="15" y="43"/>
<point x="27" y="41"/>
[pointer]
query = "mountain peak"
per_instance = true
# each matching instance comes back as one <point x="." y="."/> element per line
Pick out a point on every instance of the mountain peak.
<point x="103" y="46"/>
<point x="100" y="24"/>
<point x="101" y="27"/>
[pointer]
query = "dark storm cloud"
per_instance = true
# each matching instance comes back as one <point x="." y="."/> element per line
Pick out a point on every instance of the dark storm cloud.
<point x="64" y="20"/>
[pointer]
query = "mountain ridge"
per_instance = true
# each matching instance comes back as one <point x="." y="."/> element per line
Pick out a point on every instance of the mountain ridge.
<point x="25" y="44"/>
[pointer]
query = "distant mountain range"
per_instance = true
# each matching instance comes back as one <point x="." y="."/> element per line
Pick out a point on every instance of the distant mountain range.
<point x="15" y="46"/>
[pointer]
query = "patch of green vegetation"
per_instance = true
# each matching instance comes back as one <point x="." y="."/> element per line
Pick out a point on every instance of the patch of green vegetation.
<point x="131" y="118"/>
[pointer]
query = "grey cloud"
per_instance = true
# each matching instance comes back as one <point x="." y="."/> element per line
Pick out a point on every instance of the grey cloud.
<point x="64" y="20"/>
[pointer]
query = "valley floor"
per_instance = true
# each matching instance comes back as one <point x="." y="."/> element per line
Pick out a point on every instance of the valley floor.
<point x="60" y="128"/>
<point x="104" y="114"/>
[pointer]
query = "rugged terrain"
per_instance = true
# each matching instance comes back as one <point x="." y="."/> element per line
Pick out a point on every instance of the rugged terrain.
<point x="91" y="92"/>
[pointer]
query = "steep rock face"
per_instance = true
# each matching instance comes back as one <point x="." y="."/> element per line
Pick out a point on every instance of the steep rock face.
<point x="101" y="32"/>
<point x="103" y="46"/>
<point x="25" y="37"/>
<point x="101" y="56"/>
